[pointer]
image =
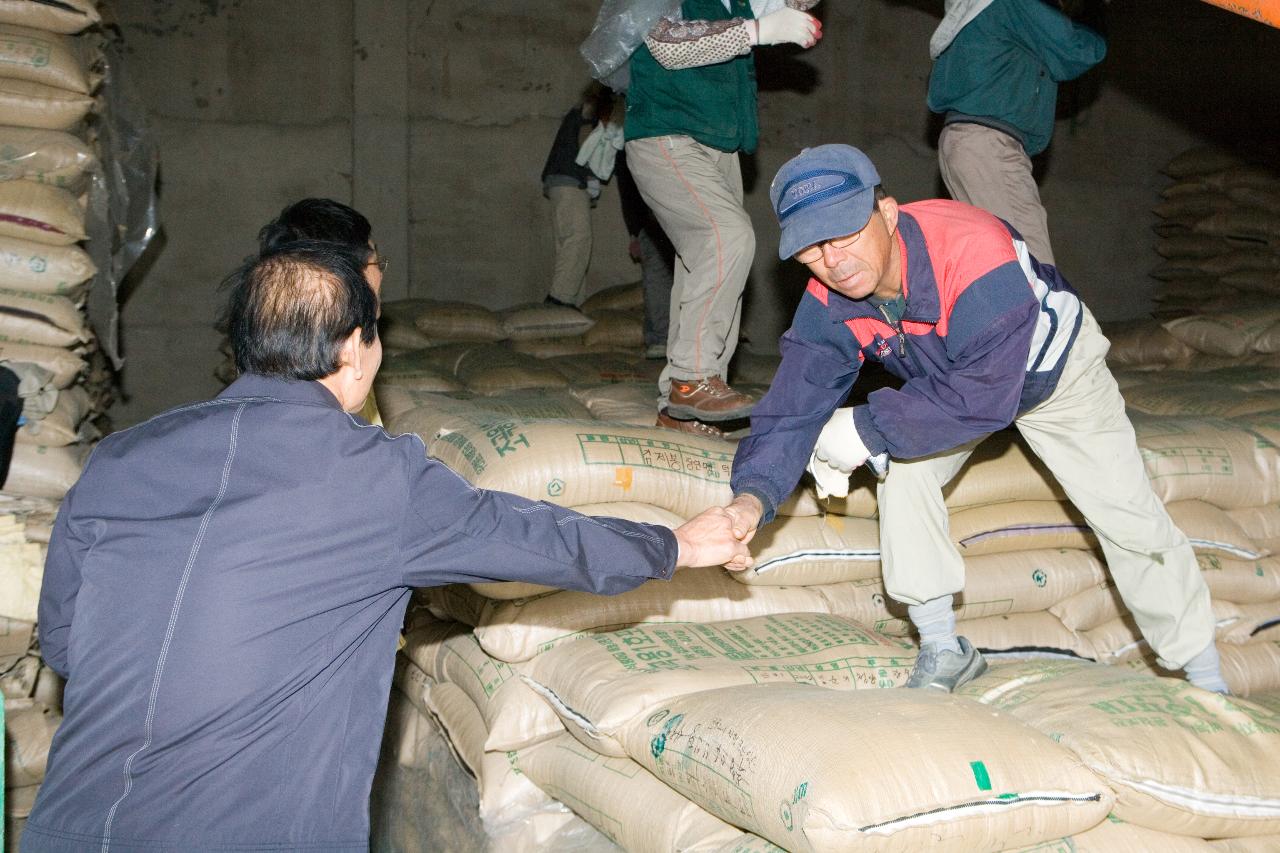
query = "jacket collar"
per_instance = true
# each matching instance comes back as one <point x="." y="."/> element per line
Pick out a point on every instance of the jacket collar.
<point x="918" y="283"/>
<point x="288" y="390"/>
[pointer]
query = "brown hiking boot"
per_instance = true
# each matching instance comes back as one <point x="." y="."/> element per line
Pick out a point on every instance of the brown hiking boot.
<point x="707" y="399"/>
<point x="691" y="427"/>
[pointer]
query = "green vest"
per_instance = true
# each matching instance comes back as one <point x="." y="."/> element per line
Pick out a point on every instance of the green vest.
<point x="714" y="104"/>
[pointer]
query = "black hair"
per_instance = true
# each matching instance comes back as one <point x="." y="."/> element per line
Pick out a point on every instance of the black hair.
<point x="291" y="309"/>
<point x="316" y="219"/>
<point x="879" y="195"/>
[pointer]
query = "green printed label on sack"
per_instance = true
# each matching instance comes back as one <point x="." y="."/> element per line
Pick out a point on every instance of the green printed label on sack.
<point x="624" y="451"/>
<point x="980" y="775"/>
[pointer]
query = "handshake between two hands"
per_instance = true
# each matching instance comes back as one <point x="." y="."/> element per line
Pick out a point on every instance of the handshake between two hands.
<point x="719" y="536"/>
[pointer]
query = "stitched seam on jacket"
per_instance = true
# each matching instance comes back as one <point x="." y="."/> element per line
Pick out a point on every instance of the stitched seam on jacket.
<point x="148" y="727"/>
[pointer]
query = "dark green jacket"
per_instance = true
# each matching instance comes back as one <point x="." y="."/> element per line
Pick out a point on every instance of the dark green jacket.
<point x="714" y="104"/>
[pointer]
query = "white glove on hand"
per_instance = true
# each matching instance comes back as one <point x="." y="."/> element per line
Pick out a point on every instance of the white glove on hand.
<point x="839" y="445"/>
<point x="788" y="26"/>
<point x="831" y="482"/>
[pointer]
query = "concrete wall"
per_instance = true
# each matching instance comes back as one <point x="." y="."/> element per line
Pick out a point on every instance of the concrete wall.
<point x="436" y="118"/>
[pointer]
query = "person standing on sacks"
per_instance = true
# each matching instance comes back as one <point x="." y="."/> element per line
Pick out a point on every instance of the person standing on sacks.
<point x="951" y="301"/>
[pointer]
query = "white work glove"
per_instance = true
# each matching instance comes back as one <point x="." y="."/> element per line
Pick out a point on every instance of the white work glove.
<point x="839" y="444"/>
<point x="788" y="26"/>
<point x="831" y="482"/>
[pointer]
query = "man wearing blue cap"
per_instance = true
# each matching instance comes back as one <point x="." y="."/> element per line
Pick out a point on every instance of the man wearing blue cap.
<point x="948" y="298"/>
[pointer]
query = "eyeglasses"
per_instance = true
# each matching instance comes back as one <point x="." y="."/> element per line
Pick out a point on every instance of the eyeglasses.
<point x="380" y="263"/>
<point x="813" y="254"/>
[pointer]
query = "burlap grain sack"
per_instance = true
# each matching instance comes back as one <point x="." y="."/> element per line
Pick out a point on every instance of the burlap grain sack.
<point x="1138" y="343"/>
<point x="1114" y="835"/>
<point x="28" y="732"/>
<point x="1020" y="526"/>
<point x="1244" y="175"/>
<point x="644" y="513"/>
<point x="62" y="365"/>
<point x="458" y="321"/>
<point x="62" y="426"/>
<point x="41" y="319"/>
<point x="1243" y="223"/>
<point x="514" y="716"/>
<point x="1211" y="531"/>
<point x="44" y="472"/>
<point x="494" y="369"/>
<point x="1240" y="259"/>
<point x="433" y="412"/>
<point x="40" y="213"/>
<point x="1195" y="246"/>
<point x="527" y="322"/>
<point x="619" y="403"/>
<point x="1196" y="162"/>
<point x="805" y="768"/>
<point x="66" y="16"/>
<point x="43" y="57"/>
<point x="1198" y="398"/>
<point x="1261" y="523"/>
<point x="397" y="324"/>
<point x="1189" y="208"/>
<point x="623" y="800"/>
<point x="519" y="630"/>
<point x="1241" y="581"/>
<point x="1180" y="759"/>
<point x="1253" y="281"/>
<point x="41" y="268"/>
<point x="1222" y="333"/>
<point x="1032" y="633"/>
<point x="623" y="297"/>
<point x="601" y="368"/>
<point x="1251" y="667"/>
<point x="599" y="683"/>
<point x="549" y="347"/>
<point x="506" y="794"/>
<point x="21" y="571"/>
<point x="44" y="156"/>
<point x="416" y="369"/>
<point x="1258" y="621"/>
<point x="1002" y="469"/>
<point x="616" y="330"/>
<point x="1090" y="608"/>
<point x="27" y="104"/>
<point x="1225" y="463"/>
<point x="576" y="463"/>
<point x="1119" y="640"/>
<point x="803" y="551"/>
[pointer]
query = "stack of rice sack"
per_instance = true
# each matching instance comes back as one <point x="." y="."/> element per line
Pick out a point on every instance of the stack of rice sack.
<point x="47" y="77"/>
<point x="1219" y="295"/>
<point x="585" y="696"/>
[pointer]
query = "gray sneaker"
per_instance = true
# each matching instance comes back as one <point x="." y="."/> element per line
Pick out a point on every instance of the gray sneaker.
<point x="946" y="670"/>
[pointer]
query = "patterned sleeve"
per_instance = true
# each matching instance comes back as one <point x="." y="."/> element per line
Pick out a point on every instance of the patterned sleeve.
<point x="690" y="44"/>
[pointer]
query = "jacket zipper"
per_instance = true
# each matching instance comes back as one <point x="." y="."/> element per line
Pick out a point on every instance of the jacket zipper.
<point x="902" y="339"/>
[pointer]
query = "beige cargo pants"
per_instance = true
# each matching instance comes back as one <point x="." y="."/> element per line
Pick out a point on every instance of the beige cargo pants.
<point x="571" y="225"/>
<point x="991" y="170"/>
<point x="696" y="194"/>
<point x="1082" y="434"/>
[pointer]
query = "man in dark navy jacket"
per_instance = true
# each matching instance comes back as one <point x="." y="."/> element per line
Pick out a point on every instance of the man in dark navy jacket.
<point x="226" y="583"/>
<point x="983" y="335"/>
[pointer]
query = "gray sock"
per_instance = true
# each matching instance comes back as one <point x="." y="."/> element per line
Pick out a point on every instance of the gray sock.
<point x="1205" y="671"/>
<point x="936" y="622"/>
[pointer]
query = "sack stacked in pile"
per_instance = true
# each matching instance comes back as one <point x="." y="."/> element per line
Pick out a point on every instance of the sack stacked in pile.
<point x="48" y="74"/>
<point x="571" y="688"/>
<point x="1219" y="232"/>
<point x="47" y="78"/>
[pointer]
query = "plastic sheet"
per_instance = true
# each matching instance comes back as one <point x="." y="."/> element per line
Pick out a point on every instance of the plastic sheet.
<point x="620" y="28"/>
<point x="121" y="219"/>
<point x="424" y="800"/>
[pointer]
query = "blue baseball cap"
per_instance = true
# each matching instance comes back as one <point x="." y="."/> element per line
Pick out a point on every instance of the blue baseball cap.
<point x="823" y="192"/>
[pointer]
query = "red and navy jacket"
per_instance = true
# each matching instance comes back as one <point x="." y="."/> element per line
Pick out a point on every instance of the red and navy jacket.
<point x="983" y="338"/>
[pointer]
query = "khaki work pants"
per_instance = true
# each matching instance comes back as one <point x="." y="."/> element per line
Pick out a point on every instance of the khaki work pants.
<point x="571" y="225"/>
<point x="695" y="192"/>
<point x="988" y="169"/>
<point x="1082" y="434"/>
